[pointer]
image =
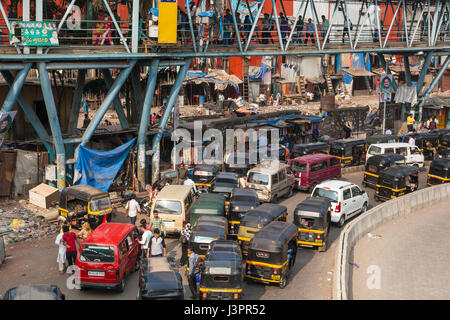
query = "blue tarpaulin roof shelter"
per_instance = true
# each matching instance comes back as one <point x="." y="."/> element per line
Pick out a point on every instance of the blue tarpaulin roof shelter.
<point x="99" y="168"/>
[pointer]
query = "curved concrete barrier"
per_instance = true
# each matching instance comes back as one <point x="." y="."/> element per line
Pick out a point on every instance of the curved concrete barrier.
<point x="372" y="219"/>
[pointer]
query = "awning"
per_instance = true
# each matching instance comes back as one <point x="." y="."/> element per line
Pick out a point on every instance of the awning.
<point x="437" y="103"/>
<point x="220" y="78"/>
<point x="358" y="72"/>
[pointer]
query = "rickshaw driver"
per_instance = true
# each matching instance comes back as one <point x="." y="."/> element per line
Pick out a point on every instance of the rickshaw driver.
<point x="429" y="146"/>
<point x="193" y="270"/>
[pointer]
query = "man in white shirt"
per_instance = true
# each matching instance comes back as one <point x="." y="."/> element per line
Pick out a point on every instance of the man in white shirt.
<point x="189" y="182"/>
<point x="412" y="141"/>
<point x="133" y="208"/>
<point x="388" y="131"/>
<point x="146" y="236"/>
<point x="157" y="245"/>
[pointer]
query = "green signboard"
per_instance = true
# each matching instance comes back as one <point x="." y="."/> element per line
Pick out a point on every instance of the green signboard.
<point x="33" y="34"/>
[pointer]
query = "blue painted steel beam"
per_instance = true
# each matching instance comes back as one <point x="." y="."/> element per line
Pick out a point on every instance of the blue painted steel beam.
<point x="112" y="94"/>
<point x="137" y="91"/>
<point x="424" y="70"/>
<point x="165" y="118"/>
<point x="76" y="103"/>
<point x="145" y="118"/>
<point x="436" y="80"/>
<point x="116" y="102"/>
<point x="85" y="65"/>
<point x="54" y="125"/>
<point x="16" y="88"/>
<point x="31" y="115"/>
<point x="11" y="66"/>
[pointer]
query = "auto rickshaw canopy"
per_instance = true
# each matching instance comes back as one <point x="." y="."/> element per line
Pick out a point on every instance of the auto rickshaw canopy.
<point x="81" y="192"/>
<point x="440" y="168"/>
<point x="383" y="160"/>
<point x="273" y="237"/>
<point x="307" y="148"/>
<point x="382" y="138"/>
<point x="313" y="208"/>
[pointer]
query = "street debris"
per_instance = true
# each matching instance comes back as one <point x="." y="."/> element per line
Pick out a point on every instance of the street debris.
<point x="355" y="265"/>
<point x="373" y="236"/>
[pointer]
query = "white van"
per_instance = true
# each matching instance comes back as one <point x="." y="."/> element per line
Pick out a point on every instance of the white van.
<point x="412" y="154"/>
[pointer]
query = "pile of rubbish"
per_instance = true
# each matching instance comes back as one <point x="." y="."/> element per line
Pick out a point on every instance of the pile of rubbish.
<point x="21" y="224"/>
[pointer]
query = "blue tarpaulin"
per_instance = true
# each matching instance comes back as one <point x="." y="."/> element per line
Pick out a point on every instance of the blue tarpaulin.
<point x="99" y="168"/>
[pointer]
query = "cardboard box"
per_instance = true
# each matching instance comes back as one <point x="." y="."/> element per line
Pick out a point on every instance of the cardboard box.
<point x="43" y="196"/>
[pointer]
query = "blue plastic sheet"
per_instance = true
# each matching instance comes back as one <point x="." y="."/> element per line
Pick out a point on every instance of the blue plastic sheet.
<point x="99" y="168"/>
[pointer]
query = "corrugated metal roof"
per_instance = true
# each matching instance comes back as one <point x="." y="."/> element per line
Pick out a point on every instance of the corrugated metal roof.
<point x="358" y="72"/>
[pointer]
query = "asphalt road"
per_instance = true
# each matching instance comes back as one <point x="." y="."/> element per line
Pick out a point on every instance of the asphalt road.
<point x="410" y="256"/>
<point x="311" y="278"/>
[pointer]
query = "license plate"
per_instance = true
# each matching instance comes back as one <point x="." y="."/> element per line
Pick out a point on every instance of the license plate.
<point x="96" y="273"/>
<point x="169" y="224"/>
<point x="275" y="277"/>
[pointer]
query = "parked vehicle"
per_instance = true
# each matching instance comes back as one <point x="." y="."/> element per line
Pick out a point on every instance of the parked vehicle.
<point x="412" y="154"/>
<point x="377" y="163"/>
<point x="439" y="172"/>
<point x="421" y="140"/>
<point x="206" y="230"/>
<point x="444" y="142"/>
<point x="173" y="204"/>
<point x="442" y="154"/>
<point x="396" y="181"/>
<point x="82" y="203"/>
<point x="314" y="168"/>
<point x="382" y="138"/>
<point x="257" y="219"/>
<point x="221" y="272"/>
<point x="38" y="292"/>
<point x="225" y="245"/>
<point x="299" y="150"/>
<point x="208" y="204"/>
<point x="158" y="280"/>
<point x="272" y="253"/>
<point x="224" y="183"/>
<point x="271" y="181"/>
<point x="108" y="255"/>
<point x="241" y="201"/>
<point x="313" y="219"/>
<point x="347" y="199"/>
<point x="203" y="176"/>
<point x="349" y="151"/>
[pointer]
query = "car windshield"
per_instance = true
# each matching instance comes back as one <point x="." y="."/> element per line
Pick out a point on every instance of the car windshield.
<point x="374" y="150"/>
<point x="299" y="166"/>
<point x="168" y="206"/>
<point x="97" y="253"/>
<point x="100" y="204"/>
<point x="325" y="193"/>
<point x="258" y="178"/>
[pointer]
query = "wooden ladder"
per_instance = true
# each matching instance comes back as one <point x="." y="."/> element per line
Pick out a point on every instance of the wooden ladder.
<point x="329" y="84"/>
<point x="301" y="87"/>
<point x="245" y="79"/>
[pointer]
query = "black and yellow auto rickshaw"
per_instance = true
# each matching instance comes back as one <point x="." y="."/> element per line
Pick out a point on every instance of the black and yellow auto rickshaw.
<point x="396" y="181"/>
<point x="439" y="172"/>
<point x="381" y="138"/>
<point x="427" y="142"/>
<point x="206" y="230"/>
<point x="221" y="272"/>
<point x="203" y="176"/>
<point x="83" y="203"/>
<point x="444" y="142"/>
<point x="442" y="154"/>
<point x="377" y="163"/>
<point x="241" y="201"/>
<point x="272" y="253"/>
<point x="224" y="183"/>
<point x="208" y="204"/>
<point x="351" y="152"/>
<point x="304" y="149"/>
<point x="257" y="219"/>
<point x="313" y="217"/>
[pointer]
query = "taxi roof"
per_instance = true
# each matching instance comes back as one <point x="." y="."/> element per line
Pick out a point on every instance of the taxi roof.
<point x="109" y="233"/>
<point x="174" y="192"/>
<point x="319" y="205"/>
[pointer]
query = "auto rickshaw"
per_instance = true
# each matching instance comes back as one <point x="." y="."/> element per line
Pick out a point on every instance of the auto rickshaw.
<point x="299" y="150"/>
<point x="439" y="172"/>
<point x="225" y="245"/>
<point x="208" y="204"/>
<point x="241" y="201"/>
<point x="377" y="163"/>
<point x="381" y="138"/>
<point x="313" y="217"/>
<point x="83" y="203"/>
<point x="442" y="154"/>
<point x="221" y="273"/>
<point x="206" y="230"/>
<point x="444" y="142"/>
<point x="272" y="253"/>
<point x="350" y="151"/>
<point x="427" y="142"/>
<point x="224" y="183"/>
<point x="396" y="181"/>
<point x="257" y="219"/>
<point x="203" y="176"/>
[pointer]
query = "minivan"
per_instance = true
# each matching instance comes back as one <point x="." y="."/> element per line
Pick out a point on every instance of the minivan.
<point x="412" y="154"/>
<point x="271" y="180"/>
<point x="107" y="255"/>
<point x="312" y="169"/>
<point x="173" y="204"/>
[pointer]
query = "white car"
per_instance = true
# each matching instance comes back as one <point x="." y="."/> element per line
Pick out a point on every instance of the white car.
<point x="347" y="199"/>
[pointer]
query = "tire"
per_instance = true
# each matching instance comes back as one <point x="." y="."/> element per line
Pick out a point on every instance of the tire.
<point x="324" y="247"/>
<point x="290" y="193"/>
<point x="310" y="190"/>
<point x="274" y="199"/>
<point x="341" y="221"/>
<point x="122" y="285"/>
<point x="283" y="282"/>
<point x="364" y="208"/>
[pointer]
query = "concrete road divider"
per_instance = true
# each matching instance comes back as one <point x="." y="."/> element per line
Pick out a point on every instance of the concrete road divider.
<point x="372" y="219"/>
